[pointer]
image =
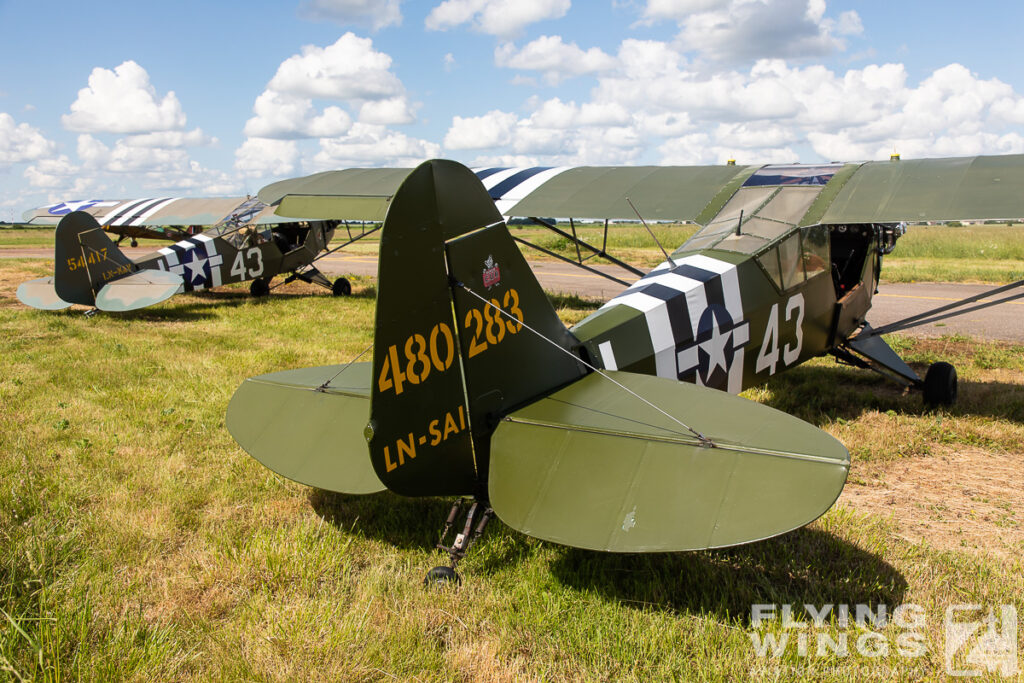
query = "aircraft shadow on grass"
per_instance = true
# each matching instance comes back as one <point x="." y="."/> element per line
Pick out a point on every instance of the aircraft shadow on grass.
<point x="205" y="305"/>
<point x="804" y="566"/>
<point x="820" y="394"/>
<point x="398" y="520"/>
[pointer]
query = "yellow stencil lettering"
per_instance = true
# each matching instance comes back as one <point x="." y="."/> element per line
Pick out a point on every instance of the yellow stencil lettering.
<point x="405" y="449"/>
<point x="435" y="433"/>
<point x="449" y="425"/>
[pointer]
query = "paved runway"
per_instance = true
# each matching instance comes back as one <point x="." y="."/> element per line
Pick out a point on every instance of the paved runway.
<point x="893" y="301"/>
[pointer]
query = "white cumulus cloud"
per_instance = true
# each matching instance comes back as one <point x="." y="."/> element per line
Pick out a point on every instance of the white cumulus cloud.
<point x="654" y="105"/>
<point x="123" y="101"/>
<point x="493" y="129"/>
<point x="504" y="18"/>
<point x="350" y="72"/>
<point x="20" y="142"/>
<point x="348" y="69"/>
<point x="555" y="59"/>
<point x="263" y="157"/>
<point x="52" y="173"/>
<point x="372" y="145"/>
<point x="746" y="30"/>
<point x="376" y="14"/>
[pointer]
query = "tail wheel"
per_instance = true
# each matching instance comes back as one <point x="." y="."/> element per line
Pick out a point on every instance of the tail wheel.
<point x="341" y="287"/>
<point x="940" y="385"/>
<point x="259" y="288"/>
<point x="442" y="576"/>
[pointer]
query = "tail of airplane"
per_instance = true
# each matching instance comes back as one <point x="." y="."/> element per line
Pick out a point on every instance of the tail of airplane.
<point x="477" y="389"/>
<point x="89" y="269"/>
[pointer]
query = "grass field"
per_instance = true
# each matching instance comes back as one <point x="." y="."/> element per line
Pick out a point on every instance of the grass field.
<point x="138" y="542"/>
<point x="927" y="253"/>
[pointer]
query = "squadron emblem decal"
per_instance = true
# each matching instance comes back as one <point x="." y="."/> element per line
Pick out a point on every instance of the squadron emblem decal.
<point x="492" y="274"/>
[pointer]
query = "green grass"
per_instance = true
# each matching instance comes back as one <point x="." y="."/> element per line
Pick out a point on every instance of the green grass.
<point x="26" y="237"/>
<point x="980" y="253"/>
<point x="138" y="542"/>
<point x="940" y="253"/>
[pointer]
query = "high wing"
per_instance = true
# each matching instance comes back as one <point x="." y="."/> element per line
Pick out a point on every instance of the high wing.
<point x="862" y="192"/>
<point x="167" y="218"/>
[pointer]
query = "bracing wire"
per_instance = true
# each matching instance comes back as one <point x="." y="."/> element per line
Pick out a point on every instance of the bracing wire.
<point x="653" y="236"/>
<point x="705" y="441"/>
<point x="323" y="387"/>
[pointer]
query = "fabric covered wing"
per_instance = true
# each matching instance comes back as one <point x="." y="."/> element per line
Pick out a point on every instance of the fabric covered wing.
<point x="594" y="467"/>
<point x="351" y="194"/>
<point x="138" y="290"/>
<point x="311" y="436"/>
<point x="983" y="187"/>
<point x="659" y="192"/>
<point x="122" y="215"/>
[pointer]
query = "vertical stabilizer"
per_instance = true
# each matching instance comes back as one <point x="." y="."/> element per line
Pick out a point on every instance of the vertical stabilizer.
<point x="85" y="259"/>
<point x="452" y="352"/>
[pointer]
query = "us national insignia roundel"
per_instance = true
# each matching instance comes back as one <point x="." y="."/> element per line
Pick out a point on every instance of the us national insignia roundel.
<point x="196" y="260"/>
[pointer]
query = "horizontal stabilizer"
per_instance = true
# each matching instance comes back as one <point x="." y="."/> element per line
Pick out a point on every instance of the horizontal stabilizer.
<point x="593" y="467"/>
<point x="138" y="290"/>
<point x="41" y="294"/>
<point x="314" y="437"/>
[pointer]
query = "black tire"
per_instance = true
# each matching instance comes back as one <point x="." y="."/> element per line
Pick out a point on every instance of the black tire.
<point x="341" y="287"/>
<point x="442" y="576"/>
<point x="940" y="386"/>
<point x="259" y="288"/>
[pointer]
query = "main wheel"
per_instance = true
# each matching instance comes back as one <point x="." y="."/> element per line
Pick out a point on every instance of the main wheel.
<point x="259" y="288"/>
<point x="341" y="287"/>
<point x="940" y="385"/>
<point x="441" y="576"/>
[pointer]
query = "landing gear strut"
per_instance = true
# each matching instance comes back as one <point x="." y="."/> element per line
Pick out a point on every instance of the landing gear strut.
<point x="478" y="512"/>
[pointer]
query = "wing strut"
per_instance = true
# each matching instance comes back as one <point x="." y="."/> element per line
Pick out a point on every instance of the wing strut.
<point x="951" y="310"/>
<point x="580" y="243"/>
<point x="312" y="274"/>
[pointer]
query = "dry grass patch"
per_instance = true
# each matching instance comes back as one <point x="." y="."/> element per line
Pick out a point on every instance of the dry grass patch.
<point x="955" y="499"/>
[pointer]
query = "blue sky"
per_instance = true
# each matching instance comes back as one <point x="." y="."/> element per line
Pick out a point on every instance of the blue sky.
<point x="122" y="99"/>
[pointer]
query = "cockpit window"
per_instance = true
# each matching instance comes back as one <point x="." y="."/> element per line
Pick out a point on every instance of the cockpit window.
<point x="815" y="249"/>
<point x="769" y="260"/>
<point x="791" y="261"/>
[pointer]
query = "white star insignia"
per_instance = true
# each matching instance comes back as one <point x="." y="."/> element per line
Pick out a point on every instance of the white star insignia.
<point x="715" y="348"/>
<point x="196" y="265"/>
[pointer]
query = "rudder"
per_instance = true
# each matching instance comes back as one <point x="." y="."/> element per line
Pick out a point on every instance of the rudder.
<point x="85" y="259"/>
<point x="447" y="363"/>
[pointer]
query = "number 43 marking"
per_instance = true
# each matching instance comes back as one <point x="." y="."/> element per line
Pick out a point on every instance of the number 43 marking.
<point x="255" y="270"/>
<point x="768" y="356"/>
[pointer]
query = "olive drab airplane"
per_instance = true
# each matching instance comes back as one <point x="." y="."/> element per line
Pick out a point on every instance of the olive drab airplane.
<point x="245" y="243"/>
<point x="587" y="436"/>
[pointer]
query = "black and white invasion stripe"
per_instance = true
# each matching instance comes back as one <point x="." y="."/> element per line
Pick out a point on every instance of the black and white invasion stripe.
<point x="694" y="315"/>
